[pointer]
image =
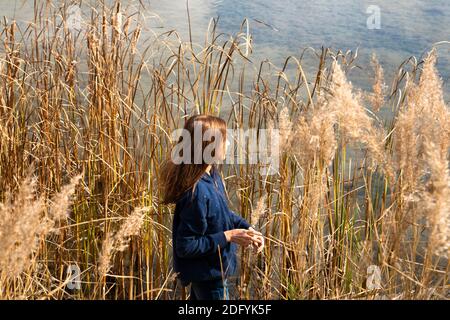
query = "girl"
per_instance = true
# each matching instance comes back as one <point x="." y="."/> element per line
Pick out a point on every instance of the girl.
<point x="205" y="231"/>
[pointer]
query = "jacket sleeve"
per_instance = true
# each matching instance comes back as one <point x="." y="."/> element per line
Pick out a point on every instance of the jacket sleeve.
<point x="191" y="240"/>
<point x="238" y="221"/>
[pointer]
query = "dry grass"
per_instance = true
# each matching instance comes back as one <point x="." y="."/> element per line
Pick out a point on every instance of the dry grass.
<point x="85" y="121"/>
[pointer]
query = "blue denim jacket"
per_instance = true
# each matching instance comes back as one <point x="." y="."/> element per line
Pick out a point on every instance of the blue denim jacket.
<point x="200" y="249"/>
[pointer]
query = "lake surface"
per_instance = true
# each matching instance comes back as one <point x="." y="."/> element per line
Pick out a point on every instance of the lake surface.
<point x="407" y="28"/>
<point x="285" y="27"/>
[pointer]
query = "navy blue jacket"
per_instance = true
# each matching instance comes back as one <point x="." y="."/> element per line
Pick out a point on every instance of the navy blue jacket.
<point x="199" y="222"/>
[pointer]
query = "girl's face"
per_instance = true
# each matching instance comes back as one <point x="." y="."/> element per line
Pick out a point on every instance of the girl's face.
<point x="222" y="150"/>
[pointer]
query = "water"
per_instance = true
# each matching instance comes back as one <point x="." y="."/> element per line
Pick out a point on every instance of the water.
<point x="285" y="27"/>
<point x="408" y="28"/>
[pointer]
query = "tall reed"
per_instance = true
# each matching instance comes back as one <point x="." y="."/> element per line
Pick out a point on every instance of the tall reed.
<point x="353" y="193"/>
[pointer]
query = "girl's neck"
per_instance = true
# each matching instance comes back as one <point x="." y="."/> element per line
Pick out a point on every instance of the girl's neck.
<point x="208" y="169"/>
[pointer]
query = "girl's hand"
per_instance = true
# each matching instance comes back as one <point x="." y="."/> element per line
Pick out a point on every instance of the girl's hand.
<point x="242" y="237"/>
<point x="258" y="242"/>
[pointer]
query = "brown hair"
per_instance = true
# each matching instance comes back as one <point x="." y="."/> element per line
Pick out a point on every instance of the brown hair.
<point x="175" y="179"/>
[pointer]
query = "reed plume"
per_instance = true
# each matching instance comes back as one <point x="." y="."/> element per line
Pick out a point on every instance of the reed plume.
<point x="421" y="149"/>
<point x="377" y="97"/>
<point x="118" y="242"/>
<point x="24" y="225"/>
<point x="437" y="201"/>
<point x="285" y="130"/>
<point x="354" y="123"/>
<point x="315" y="130"/>
<point x="259" y="210"/>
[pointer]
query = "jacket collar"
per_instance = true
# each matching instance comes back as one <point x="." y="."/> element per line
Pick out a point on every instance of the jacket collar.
<point x="211" y="176"/>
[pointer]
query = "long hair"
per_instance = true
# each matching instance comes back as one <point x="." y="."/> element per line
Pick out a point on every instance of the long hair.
<point x="180" y="176"/>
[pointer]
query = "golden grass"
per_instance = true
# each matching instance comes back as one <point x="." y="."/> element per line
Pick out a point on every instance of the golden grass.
<point x="85" y="121"/>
